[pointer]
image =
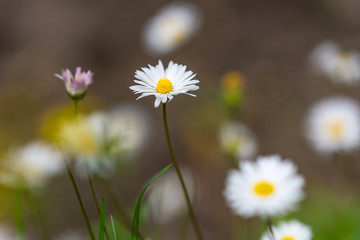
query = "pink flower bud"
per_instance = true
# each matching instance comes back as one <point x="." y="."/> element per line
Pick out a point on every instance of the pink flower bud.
<point x="76" y="86"/>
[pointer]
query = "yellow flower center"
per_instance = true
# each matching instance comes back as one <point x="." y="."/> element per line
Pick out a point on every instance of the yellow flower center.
<point x="79" y="137"/>
<point x="344" y="54"/>
<point x="179" y="37"/>
<point x="175" y="29"/>
<point x="164" y="86"/>
<point x="288" y="238"/>
<point x="336" y="130"/>
<point x="264" y="188"/>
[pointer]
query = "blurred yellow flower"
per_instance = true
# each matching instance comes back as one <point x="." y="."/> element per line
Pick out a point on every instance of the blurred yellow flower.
<point x="233" y="80"/>
<point x="102" y="139"/>
<point x="79" y="137"/>
<point x="232" y="89"/>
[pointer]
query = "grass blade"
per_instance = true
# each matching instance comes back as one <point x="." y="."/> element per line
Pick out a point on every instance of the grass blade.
<point x="18" y="215"/>
<point x="102" y="220"/>
<point x="116" y="236"/>
<point x="135" y="225"/>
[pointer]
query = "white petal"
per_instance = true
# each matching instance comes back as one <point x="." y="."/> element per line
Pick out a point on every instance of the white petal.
<point x="58" y="76"/>
<point x="157" y="102"/>
<point x="144" y="95"/>
<point x="160" y="67"/>
<point x="163" y="98"/>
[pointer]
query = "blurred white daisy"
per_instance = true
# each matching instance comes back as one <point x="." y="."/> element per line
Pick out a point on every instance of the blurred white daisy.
<point x="237" y="141"/>
<point x="164" y="84"/>
<point x="267" y="187"/>
<point x="338" y="65"/>
<point x="101" y="140"/>
<point x="129" y="124"/>
<point x="170" y="28"/>
<point x="166" y="197"/>
<point x="32" y="164"/>
<point x="292" y="230"/>
<point x="82" y="139"/>
<point x="333" y="125"/>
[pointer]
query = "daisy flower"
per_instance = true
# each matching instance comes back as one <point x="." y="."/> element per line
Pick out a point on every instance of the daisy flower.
<point x="334" y="125"/>
<point x="166" y="197"/>
<point x="267" y="187"/>
<point x="292" y="230"/>
<point x="82" y="138"/>
<point x="128" y="124"/>
<point x="32" y="164"/>
<point x="164" y="84"/>
<point x="338" y="65"/>
<point x="102" y="139"/>
<point x="170" y="28"/>
<point x="76" y="86"/>
<point x="87" y="142"/>
<point x="237" y="140"/>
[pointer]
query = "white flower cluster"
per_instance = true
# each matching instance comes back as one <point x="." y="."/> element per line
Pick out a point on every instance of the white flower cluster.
<point x="102" y="139"/>
<point x="31" y="165"/>
<point x="333" y="124"/>
<point x="339" y="66"/>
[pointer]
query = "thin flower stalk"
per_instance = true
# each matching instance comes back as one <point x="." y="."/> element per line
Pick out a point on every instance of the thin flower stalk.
<point x="181" y="179"/>
<point x="95" y="199"/>
<point x="77" y="193"/>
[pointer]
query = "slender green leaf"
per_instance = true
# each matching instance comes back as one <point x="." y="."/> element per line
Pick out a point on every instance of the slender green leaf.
<point x="18" y="215"/>
<point x="135" y="225"/>
<point x="116" y="236"/>
<point x="102" y="220"/>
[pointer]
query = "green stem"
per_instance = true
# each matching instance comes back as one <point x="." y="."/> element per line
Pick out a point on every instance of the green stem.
<point x="95" y="198"/>
<point x="182" y="183"/>
<point x="270" y="228"/>
<point x="18" y="215"/>
<point x="76" y="109"/>
<point x="79" y="200"/>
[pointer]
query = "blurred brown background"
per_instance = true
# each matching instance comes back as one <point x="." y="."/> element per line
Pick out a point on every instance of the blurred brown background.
<point x="268" y="41"/>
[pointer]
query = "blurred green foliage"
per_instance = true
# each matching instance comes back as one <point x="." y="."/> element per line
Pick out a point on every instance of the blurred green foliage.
<point x="330" y="215"/>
